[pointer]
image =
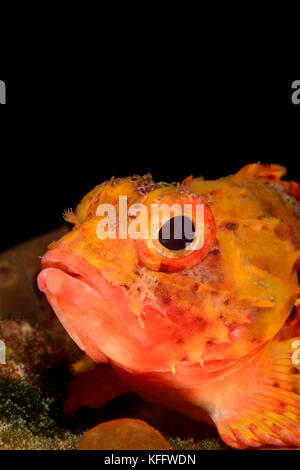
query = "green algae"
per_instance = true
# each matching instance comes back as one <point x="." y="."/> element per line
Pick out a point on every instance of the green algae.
<point x="19" y="437"/>
<point x="192" y="444"/>
<point x="27" y="418"/>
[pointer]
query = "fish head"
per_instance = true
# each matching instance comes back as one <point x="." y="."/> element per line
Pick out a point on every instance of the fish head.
<point x="128" y="294"/>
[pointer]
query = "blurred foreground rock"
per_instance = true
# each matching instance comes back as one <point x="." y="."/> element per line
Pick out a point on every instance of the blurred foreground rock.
<point x="123" y="434"/>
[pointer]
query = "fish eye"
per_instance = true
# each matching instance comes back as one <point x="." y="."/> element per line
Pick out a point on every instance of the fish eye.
<point x="177" y="233"/>
<point x="180" y="231"/>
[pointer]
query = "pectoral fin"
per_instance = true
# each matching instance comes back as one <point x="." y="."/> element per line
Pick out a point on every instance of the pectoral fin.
<point x="94" y="388"/>
<point x="259" y="405"/>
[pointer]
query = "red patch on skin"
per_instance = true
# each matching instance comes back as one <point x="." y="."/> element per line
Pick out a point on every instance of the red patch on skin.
<point x="166" y="300"/>
<point x="276" y="428"/>
<point x="166" y="268"/>
<point x="254" y="443"/>
<point x="252" y="427"/>
<point x="231" y="226"/>
<point x="210" y="342"/>
<point x="294" y="427"/>
<point x="195" y="288"/>
<point x="176" y="312"/>
<point x="201" y="323"/>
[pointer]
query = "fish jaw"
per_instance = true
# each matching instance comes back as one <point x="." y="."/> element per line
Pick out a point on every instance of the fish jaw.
<point x="85" y="303"/>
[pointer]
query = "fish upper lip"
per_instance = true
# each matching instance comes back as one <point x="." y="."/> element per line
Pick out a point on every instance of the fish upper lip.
<point x="73" y="265"/>
<point x="64" y="268"/>
<point x="58" y="264"/>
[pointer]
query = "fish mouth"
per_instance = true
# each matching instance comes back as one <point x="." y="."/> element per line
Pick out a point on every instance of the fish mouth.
<point x="71" y="265"/>
<point x="92" y="310"/>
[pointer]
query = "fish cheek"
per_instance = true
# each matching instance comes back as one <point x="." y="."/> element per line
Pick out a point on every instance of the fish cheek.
<point x="171" y="327"/>
<point x="193" y="328"/>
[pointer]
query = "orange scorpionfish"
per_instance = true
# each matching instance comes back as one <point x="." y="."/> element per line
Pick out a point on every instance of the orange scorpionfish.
<point x="213" y="333"/>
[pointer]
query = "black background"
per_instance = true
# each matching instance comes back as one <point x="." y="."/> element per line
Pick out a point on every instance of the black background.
<point x="62" y="134"/>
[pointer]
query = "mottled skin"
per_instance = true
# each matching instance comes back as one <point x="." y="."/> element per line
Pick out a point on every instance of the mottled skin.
<point x="210" y="335"/>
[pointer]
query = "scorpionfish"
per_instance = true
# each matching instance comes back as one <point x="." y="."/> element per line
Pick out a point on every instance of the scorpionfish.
<point x="214" y="332"/>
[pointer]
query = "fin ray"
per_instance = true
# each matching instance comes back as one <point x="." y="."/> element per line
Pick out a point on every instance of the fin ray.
<point x="265" y="408"/>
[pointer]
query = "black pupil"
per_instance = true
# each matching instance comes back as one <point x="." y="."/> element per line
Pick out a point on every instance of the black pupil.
<point x="177" y="233"/>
